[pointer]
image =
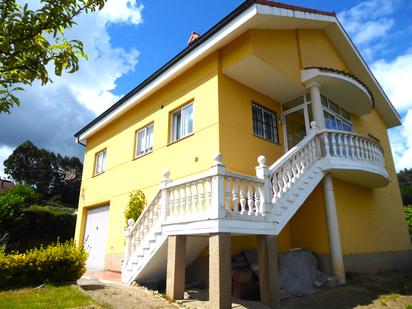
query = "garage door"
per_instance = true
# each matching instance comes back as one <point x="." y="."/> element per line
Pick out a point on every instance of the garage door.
<point x="95" y="236"/>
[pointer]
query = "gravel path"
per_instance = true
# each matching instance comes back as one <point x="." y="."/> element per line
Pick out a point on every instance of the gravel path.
<point x="116" y="295"/>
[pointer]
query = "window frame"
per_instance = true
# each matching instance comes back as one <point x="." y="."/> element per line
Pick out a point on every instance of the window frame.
<point x="172" y="126"/>
<point x="96" y="162"/>
<point x="136" y="138"/>
<point x="274" y="126"/>
<point x="337" y="116"/>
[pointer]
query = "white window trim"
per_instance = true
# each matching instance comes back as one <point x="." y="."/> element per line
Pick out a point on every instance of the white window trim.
<point x="182" y="120"/>
<point x="146" y="149"/>
<point x="99" y="169"/>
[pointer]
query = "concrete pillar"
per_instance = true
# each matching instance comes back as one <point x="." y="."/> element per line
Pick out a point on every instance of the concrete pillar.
<point x="220" y="271"/>
<point x="317" y="109"/>
<point x="176" y="266"/>
<point x="333" y="229"/>
<point x="268" y="271"/>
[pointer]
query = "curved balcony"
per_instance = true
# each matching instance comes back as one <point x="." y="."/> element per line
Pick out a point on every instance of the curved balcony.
<point x="353" y="158"/>
<point x="341" y="87"/>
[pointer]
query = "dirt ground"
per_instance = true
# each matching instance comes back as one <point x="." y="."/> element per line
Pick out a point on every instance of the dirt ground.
<point x="379" y="291"/>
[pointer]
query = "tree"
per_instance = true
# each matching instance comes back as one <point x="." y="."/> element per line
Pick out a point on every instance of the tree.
<point x="405" y="184"/>
<point x="46" y="172"/>
<point x="30" y="40"/>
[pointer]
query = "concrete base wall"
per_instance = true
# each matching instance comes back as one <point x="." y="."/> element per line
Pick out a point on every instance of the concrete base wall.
<point x="113" y="261"/>
<point x="370" y="262"/>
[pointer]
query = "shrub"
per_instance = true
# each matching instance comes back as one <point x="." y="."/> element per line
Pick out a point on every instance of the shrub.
<point x="136" y="205"/>
<point x="41" y="225"/>
<point x="408" y="215"/>
<point x="57" y="263"/>
<point x="14" y="201"/>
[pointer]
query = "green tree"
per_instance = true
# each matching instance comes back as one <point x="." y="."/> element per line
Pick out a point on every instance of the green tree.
<point x="405" y="184"/>
<point x="135" y="206"/>
<point x="13" y="202"/>
<point x="46" y="172"/>
<point x="31" y="40"/>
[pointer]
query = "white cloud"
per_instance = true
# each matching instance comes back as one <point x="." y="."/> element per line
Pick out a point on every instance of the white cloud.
<point x="50" y="115"/>
<point x="128" y="11"/>
<point x="369" y="22"/>
<point x="396" y="79"/>
<point x="5" y="152"/>
<point x="401" y="142"/>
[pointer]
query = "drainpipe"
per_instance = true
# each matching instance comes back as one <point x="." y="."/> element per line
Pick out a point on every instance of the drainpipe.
<point x="335" y="247"/>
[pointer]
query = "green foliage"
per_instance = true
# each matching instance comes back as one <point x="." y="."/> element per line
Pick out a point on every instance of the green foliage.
<point x="44" y="170"/>
<point x="136" y="205"/>
<point x="405" y="184"/>
<point x="408" y="215"/>
<point x="61" y="262"/>
<point x="14" y="201"/>
<point x="40" y="225"/>
<point x="31" y="40"/>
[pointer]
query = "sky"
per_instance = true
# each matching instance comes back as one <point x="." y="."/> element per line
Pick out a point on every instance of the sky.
<point x="130" y="39"/>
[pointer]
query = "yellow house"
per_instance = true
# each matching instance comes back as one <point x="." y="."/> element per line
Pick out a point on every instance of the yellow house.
<point x="269" y="131"/>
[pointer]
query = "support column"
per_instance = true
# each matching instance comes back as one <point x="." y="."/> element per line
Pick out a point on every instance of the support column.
<point x="268" y="271"/>
<point x="220" y="271"/>
<point x="333" y="229"/>
<point x="316" y="101"/>
<point x="176" y="266"/>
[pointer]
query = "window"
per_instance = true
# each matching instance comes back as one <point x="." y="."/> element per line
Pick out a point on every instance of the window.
<point x="265" y="123"/>
<point x="144" y="140"/>
<point x="182" y="122"/>
<point x="100" y="162"/>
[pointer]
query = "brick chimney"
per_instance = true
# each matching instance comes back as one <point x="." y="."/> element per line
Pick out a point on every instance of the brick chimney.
<point x="193" y="37"/>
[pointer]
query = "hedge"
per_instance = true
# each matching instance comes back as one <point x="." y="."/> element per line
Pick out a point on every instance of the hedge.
<point x="40" y="225"/>
<point x="57" y="263"/>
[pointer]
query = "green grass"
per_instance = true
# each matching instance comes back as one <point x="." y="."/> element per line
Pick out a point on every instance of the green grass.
<point x="65" y="296"/>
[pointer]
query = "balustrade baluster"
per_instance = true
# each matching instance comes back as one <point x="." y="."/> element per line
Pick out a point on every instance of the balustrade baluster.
<point x="258" y="200"/>
<point x="242" y="198"/>
<point x="274" y="188"/>
<point x="209" y="192"/>
<point x="171" y="203"/>
<point x="285" y="179"/>
<point x="334" y="148"/>
<point x="250" y="201"/>
<point x="228" y="194"/>
<point x="195" y="198"/>
<point x="235" y="196"/>
<point x="189" y="198"/>
<point x="202" y="195"/>
<point x="182" y="200"/>
<point x="340" y="145"/>
<point x="177" y="202"/>
<point x="346" y="143"/>
<point x="326" y="141"/>
<point x="289" y="174"/>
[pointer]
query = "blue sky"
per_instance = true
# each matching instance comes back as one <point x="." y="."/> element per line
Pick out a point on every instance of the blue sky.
<point x="130" y="39"/>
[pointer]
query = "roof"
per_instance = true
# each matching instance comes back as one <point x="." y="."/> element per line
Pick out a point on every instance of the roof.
<point x="313" y="14"/>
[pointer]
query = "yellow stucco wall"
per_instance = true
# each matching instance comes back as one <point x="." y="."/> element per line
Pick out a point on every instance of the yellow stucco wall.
<point x="123" y="173"/>
<point x="370" y="220"/>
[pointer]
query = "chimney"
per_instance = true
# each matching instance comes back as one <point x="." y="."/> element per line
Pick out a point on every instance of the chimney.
<point x="193" y="37"/>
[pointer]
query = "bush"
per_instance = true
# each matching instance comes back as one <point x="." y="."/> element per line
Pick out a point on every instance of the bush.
<point x="408" y="215"/>
<point x="136" y="205"/>
<point x="14" y="201"/>
<point x="41" y="225"/>
<point x="57" y="263"/>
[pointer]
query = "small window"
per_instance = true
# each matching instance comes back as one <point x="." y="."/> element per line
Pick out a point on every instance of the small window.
<point x="265" y="123"/>
<point x="100" y="162"/>
<point x="144" y="140"/>
<point x="182" y="122"/>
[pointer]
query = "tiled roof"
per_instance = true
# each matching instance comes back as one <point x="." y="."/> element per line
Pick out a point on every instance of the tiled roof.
<point x="348" y="75"/>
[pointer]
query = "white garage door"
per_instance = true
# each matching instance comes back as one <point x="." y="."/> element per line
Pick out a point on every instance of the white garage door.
<point x="95" y="236"/>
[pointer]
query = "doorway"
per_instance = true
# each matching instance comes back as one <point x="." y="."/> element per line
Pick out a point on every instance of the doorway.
<point x="295" y="125"/>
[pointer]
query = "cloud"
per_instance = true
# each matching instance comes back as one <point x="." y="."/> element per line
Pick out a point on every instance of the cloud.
<point x="5" y="152"/>
<point x="50" y="115"/>
<point x="401" y="142"/>
<point x="369" y="22"/>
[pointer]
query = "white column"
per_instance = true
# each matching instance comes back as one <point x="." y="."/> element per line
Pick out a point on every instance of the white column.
<point x="262" y="172"/>
<point x="217" y="209"/>
<point x="317" y="110"/>
<point x="333" y="229"/>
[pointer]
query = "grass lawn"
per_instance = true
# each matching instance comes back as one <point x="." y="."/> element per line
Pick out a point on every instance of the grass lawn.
<point x="65" y="296"/>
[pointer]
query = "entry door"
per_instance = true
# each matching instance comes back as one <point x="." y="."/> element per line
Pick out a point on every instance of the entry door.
<point x="296" y="125"/>
<point x="95" y="236"/>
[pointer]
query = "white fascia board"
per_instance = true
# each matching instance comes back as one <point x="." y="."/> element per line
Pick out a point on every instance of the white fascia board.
<point x="176" y="69"/>
<point x="282" y="12"/>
